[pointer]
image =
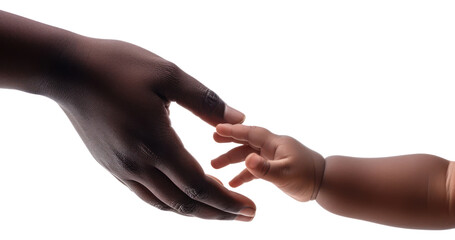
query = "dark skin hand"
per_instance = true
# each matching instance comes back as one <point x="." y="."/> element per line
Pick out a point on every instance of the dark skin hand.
<point x="117" y="96"/>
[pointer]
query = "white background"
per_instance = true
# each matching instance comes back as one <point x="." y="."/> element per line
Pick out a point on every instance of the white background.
<point x="358" y="78"/>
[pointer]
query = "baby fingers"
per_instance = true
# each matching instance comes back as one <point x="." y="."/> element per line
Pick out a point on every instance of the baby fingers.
<point x="254" y="136"/>
<point x="274" y="171"/>
<point x="259" y="167"/>
<point x="241" y="178"/>
<point x="235" y="155"/>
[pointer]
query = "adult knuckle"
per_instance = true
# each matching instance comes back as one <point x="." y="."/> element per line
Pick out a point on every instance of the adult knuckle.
<point x="150" y="155"/>
<point x="167" y="72"/>
<point x="127" y="163"/>
<point x="211" y="100"/>
<point x="171" y="69"/>
<point x="160" y="206"/>
<point x="185" y="208"/>
<point x="231" y="207"/>
<point x="197" y="192"/>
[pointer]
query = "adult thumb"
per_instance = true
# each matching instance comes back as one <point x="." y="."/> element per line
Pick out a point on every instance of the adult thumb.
<point x="200" y="100"/>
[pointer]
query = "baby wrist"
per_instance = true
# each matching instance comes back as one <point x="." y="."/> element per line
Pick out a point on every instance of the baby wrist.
<point x="319" y="168"/>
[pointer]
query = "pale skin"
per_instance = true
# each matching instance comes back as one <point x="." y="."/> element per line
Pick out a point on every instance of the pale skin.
<point x="411" y="191"/>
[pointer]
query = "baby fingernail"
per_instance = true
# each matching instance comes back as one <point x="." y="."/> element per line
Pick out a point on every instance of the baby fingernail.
<point x="253" y="162"/>
<point x="233" y="116"/>
<point x="248" y="212"/>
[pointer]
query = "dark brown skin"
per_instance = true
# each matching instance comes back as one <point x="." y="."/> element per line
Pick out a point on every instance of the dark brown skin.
<point x="117" y="96"/>
<point x="412" y="191"/>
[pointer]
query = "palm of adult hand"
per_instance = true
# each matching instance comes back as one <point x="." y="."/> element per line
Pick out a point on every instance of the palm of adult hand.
<point x="117" y="97"/>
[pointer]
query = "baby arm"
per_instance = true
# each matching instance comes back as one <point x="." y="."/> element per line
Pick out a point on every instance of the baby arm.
<point x="414" y="191"/>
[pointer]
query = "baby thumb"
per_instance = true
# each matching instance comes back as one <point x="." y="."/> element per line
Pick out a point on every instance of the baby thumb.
<point x="260" y="167"/>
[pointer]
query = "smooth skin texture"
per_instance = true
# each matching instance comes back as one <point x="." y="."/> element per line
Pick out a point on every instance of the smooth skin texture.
<point x="117" y="96"/>
<point x="411" y="191"/>
<point x="282" y="160"/>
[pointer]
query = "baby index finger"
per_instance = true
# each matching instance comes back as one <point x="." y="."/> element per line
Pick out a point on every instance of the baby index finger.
<point x="243" y="177"/>
<point x="235" y="155"/>
<point x="255" y="136"/>
<point x="220" y="139"/>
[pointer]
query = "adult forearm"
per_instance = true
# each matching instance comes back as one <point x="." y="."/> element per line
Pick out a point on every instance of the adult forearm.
<point x="29" y="50"/>
<point x="407" y="191"/>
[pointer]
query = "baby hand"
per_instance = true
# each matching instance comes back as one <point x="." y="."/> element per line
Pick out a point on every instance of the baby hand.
<point x="282" y="160"/>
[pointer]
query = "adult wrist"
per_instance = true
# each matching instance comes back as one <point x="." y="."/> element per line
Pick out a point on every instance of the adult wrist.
<point x="30" y="51"/>
<point x="60" y="68"/>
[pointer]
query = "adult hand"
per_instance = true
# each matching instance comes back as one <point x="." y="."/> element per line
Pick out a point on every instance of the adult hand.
<point x="117" y="96"/>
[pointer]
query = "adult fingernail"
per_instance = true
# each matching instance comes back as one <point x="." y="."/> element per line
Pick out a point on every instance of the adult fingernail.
<point x="233" y="116"/>
<point x="247" y="212"/>
<point x="243" y="218"/>
<point x="216" y="179"/>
